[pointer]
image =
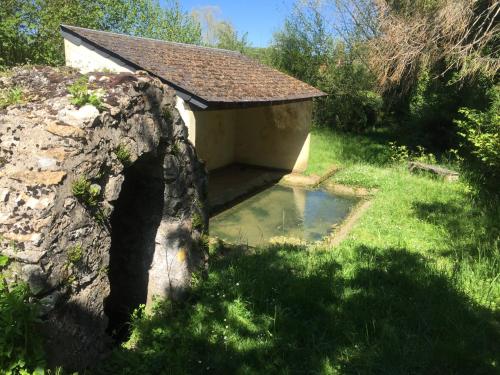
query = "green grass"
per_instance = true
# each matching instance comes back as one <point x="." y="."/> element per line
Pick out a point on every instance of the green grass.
<point x="414" y="289"/>
<point x="11" y="96"/>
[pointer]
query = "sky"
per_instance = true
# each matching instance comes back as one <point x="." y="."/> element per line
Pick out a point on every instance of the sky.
<point x="260" y="18"/>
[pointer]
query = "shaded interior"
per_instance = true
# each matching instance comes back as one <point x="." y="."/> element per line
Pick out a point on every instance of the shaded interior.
<point x="134" y="223"/>
<point x="233" y="183"/>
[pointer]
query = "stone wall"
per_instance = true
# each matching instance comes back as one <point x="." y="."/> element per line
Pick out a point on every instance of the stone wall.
<point x="100" y="210"/>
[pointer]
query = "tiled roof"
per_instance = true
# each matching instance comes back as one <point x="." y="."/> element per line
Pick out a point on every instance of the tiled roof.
<point x="210" y="74"/>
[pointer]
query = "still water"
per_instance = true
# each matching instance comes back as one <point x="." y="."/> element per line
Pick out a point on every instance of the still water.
<point x="281" y="211"/>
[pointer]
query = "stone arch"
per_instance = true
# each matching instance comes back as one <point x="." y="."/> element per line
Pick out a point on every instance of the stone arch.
<point x="66" y="246"/>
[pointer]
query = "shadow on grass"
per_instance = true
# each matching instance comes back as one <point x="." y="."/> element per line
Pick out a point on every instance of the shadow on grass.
<point x="473" y="230"/>
<point x="293" y="312"/>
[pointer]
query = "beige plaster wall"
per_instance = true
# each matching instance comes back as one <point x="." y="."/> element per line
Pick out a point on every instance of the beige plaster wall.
<point x="215" y="137"/>
<point x="273" y="136"/>
<point x="187" y="116"/>
<point x="85" y="58"/>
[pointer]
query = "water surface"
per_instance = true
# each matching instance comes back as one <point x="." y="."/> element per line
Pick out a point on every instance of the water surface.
<point x="281" y="211"/>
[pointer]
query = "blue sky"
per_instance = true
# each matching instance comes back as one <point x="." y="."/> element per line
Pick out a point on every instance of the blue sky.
<point x="260" y="18"/>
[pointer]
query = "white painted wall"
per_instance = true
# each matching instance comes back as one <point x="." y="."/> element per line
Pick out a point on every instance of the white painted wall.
<point x="87" y="59"/>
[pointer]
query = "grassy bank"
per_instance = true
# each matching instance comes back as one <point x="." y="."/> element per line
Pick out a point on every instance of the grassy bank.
<point x="413" y="289"/>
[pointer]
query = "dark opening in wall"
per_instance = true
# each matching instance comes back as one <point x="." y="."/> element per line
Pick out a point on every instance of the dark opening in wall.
<point x="134" y="224"/>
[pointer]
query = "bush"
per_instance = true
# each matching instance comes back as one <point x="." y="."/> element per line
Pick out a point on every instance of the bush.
<point x="480" y="148"/>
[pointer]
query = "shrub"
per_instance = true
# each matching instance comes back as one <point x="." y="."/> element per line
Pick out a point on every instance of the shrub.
<point x="480" y="147"/>
<point x="402" y="154"/>
<point x="82" y="95"/>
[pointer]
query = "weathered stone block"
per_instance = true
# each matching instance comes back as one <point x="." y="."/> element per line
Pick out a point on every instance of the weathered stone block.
<point x="91" y="255"/>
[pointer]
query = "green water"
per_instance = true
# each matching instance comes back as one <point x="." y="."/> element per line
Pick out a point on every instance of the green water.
<point x="281" y="211"/>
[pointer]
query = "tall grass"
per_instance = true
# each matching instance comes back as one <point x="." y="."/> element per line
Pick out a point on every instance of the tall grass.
<point x="413" y="289"/>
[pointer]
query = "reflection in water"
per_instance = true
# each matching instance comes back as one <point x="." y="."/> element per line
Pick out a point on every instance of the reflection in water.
<point x="281" y="211"/>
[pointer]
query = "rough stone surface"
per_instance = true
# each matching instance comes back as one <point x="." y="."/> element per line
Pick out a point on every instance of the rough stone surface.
<point x="84" y="261"/>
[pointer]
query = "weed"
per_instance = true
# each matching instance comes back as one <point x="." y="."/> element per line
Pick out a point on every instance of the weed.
<point x="82" y="95"/>
<point x="75" y="254"/>
<point x="20" y="343"/>
<point x="123" y="154"/>
<point x="101" y="215"/>
<point x="71" y="279"/>
<point x="10" y="97"/>
<point x="104" y="270"/>
<point x="197" y="222"/>
<point x="4" y="260"/>
<point x="204" y="242"/>
<point x="175" y="149"/>
<point x="13" y="246"/>
<point x="167" y="115"/>
<point x="85" y="191"/>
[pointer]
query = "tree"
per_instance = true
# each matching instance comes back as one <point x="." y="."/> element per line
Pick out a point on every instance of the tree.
<point x="310" y="49"/>
<point x="443" y="35"/>
<point x="29" y="32"/>
<point x="219" y="33"/>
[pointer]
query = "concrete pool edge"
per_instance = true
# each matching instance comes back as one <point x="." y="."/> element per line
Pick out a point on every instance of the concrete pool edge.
<point x="339" y="232"/>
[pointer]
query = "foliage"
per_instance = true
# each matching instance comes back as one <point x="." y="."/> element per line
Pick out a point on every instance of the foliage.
<point x="123" y="154"/>
<point x="263" y="55"/>
<point x="20" y="345"/>
<point x="458" y="35"/>
<point x="480" y="132"/>
<point x="82" y="95"/>
<point x="228" y="38"/>
<point x="402" y="154"/>
<point x="219" y="33"/>
<point x="307" y="49"/>
<point x="11" y="96"/>
<point x="75" y="253"/>
<point x="149" y="18"/>
<point x="85" y="191"/>
<point x="29" y="31"/>
<point x="197" y="221"/>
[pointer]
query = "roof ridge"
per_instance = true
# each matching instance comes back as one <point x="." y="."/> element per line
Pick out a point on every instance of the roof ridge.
<point x="196" y="46"/>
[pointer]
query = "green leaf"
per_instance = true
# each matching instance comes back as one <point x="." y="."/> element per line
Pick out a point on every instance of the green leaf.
<point x="4" y="259"/>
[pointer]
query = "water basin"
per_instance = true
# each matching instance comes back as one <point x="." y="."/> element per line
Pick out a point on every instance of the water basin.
<point x="282" y="211"/>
